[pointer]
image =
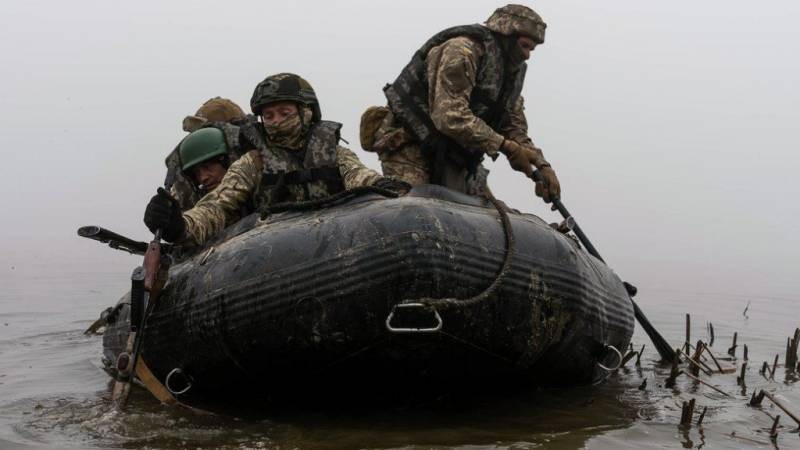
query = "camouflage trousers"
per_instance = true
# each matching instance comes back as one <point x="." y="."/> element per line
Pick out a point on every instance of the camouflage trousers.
<point x="402" y="158"/>
<point x="412" y="166"/>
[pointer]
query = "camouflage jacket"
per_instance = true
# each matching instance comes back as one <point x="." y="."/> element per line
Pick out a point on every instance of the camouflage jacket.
<point x="466" y="91"/>
<point x="242" y="184"/>
<point x="452" y="69"/>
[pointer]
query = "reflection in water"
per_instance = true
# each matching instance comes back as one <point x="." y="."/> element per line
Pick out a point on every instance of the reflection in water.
<point x="53" y="393"/>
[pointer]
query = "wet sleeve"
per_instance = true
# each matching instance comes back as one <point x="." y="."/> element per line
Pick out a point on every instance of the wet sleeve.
<point x="221" y="207"/>
<point x="353" y="171"/>
<point x="452" y="69"/>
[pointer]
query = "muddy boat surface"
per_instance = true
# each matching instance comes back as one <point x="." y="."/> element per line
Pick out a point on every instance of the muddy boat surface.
<point x="297" y="305"/>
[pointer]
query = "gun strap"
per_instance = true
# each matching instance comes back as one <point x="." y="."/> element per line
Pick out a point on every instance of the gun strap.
<point x="152" y="384"/>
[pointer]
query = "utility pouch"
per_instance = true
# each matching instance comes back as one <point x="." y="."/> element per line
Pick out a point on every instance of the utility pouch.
<point x="371" y="121"/>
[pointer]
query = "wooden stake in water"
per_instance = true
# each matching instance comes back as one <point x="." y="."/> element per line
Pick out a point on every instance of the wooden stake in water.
<point x="744" y="351"/>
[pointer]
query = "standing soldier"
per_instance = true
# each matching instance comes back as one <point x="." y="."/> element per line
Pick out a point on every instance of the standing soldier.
<point x="297" y="158"/>
<point x="458" y="100"/>
<point x="216" y="112"/>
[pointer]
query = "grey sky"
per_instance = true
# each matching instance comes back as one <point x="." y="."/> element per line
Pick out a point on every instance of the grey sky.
<point x="672" y="125"/>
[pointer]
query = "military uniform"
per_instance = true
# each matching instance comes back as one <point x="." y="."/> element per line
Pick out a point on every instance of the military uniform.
<point x="216" y="112"/>
<point x="246" y="182"/>
<point x="296" y="157"/>
<point x="456" y="101"/>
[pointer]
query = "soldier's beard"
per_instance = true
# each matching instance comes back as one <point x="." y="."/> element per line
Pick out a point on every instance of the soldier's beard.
<point x="290" y="133"/>
<point x="515" y="55"/>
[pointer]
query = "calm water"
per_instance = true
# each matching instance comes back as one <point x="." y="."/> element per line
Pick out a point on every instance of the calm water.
<point x="53" y="393"/>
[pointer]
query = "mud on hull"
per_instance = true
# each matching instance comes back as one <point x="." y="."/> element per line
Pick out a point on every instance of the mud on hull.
<point x="297" y="305"/>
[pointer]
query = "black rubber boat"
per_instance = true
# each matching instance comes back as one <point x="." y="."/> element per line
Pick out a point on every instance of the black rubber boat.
<point x="305" y="303"/>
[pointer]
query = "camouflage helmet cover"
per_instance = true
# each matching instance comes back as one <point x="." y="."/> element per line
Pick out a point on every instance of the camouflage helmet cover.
<point x="513" y="20"/>
<point x="201" y="145"/>
<point x="285" y="87"/>
<point x="216" y="109"/>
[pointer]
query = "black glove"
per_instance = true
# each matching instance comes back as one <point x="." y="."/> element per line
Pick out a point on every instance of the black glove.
<point x="164" y="213"/>
<point x="390" y="184"/>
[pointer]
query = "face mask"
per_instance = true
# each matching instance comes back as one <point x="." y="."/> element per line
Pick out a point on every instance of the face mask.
<point x="289" y="133"/>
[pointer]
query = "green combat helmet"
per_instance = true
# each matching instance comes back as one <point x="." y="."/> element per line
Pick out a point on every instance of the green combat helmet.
<point x="285" y="87"/>
<point x="202" y="145"/>
<point x="511" y="20"/>
<point x="216" y="109"/>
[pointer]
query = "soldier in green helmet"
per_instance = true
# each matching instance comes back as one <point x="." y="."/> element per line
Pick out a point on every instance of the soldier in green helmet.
<point x="204" y="158"/>
<point x="217" y="112"/>
<point x="459" y="100"/>
<point x="296" y="157"/>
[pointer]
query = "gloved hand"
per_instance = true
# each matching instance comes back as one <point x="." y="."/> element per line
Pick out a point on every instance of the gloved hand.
<point x="521" y="158"/>
<point x="391" y="184"/>
<point x="163" y="212"/>
<point x="549" y="189"/>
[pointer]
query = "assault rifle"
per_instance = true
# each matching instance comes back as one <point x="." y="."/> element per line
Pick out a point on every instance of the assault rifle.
<point x="146" y="284"/>
<point x="116" y="241"/>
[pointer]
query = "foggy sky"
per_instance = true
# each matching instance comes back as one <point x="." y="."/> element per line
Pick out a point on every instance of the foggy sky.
<point x="673" y="126"/>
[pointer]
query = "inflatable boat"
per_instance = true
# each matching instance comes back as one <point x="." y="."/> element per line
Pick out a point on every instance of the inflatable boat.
<point x="375" y="295"/>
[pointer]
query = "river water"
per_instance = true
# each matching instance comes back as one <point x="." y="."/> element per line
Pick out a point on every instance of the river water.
<point x="53" y="393"/>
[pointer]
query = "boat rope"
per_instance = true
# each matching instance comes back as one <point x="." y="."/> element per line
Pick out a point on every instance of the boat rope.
<point x="442" y="304"/>
<point x="306" y="205"/>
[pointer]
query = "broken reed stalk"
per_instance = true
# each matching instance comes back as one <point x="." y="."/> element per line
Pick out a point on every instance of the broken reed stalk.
<point x="744" y="351"/>
<point x="707" y="384"/>
<point x="740" y="378"/>
<point x="695" y="364"/>
<point x="756" y="399"/>
<point x="764" y="370"/>
<point x="710" y="334"/>
<point x="702" y="415"/>
<point x="791" y="350"/>
<point x="688" y="333"/>
<point x="639" y="356"/>
<point x="698" y="350"/>
<point x="773" y="433"/>
<point x="674" y="371"/>
<point x="687" y="412"/>
<point x="714" y="358"/>
<point x="774" y="368"/>
<point x="628" y="356"/>
<point x="780" y="405"/>
<point x="732" y="350"/>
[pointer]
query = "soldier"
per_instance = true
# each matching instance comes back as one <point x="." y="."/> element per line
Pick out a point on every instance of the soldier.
<point x="297" y="158"/>
<point x="458" y="100"/>
<point x="218" y="112"/>
<point x="204" y="157"/>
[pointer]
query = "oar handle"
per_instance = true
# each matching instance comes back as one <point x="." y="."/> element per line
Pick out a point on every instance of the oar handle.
<point x="537" y="177"/>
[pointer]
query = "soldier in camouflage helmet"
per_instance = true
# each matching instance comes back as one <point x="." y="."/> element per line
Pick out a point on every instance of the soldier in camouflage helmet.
<point x="297" y="157"/>
<point x="458" y="100"/>
<point x="217" y="112"/>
